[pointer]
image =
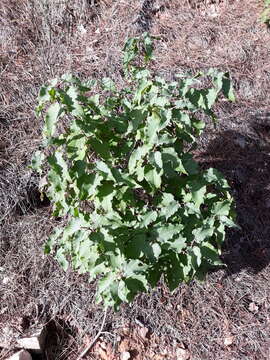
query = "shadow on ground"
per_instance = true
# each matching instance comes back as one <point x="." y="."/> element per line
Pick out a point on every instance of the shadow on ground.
<point x="245" y="162"/>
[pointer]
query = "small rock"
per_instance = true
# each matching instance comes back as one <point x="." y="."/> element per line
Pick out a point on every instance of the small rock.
<point x="125" y="355"/>
<point x="43" y="182"/>
<point x="35" y="342"/>
<point x="82" y="29"/>
<point x="6" y="280"/>
<point x="253" y="307"/>
<point x="228" y="340"/>
<point x="182" y="354"/>
<point x="21" y="355"/>
<point x="118" y="338"/>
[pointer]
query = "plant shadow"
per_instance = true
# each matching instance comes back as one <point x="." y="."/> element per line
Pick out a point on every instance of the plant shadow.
<point x="245" y="162"/>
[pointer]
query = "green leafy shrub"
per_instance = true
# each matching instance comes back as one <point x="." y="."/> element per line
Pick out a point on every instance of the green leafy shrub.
<point x="119" y="168"/>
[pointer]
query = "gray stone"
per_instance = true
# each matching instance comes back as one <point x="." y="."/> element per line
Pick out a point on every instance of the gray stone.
<point x="21" y="355"/>
<point x="34" y="342"/>
<point x="125" y="355"/>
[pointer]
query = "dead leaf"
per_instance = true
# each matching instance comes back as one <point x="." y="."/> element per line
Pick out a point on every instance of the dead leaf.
<point x="104" y="352"/>
<point x="125" y="331"/>
<point x="123" y="346"/>
<point x="103" y="345"/>
<point x="184" y="314"/>
<point x="159" y="357"/>
<point x="143" y="332"/>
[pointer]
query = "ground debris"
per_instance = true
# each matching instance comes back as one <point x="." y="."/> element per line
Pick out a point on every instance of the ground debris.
<point x="38" y="40"/>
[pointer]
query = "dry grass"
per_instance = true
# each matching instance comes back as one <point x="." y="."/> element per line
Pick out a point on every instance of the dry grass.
<point x="42" y="39"/>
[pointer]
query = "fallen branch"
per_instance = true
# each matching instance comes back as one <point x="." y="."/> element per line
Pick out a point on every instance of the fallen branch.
<point x="88" y="348"/>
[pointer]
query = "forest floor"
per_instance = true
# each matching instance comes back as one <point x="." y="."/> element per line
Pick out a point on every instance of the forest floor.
<point x="227" y="317"/>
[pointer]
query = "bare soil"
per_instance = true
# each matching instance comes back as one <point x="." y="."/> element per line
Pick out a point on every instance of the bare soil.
<point x="227" y="317"/>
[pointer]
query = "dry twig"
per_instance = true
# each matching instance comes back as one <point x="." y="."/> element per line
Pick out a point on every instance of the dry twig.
<point x="88" y="348"/>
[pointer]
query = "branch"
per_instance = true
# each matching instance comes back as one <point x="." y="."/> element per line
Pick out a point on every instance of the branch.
<point x="88" y="348"/>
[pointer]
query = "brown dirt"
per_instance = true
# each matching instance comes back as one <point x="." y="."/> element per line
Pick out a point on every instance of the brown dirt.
<point x="227" y="316"/>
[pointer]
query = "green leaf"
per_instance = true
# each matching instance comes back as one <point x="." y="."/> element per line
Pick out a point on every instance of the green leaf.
<point x="105" y="285"/>
<point x="108" y="84"/>
<point x="130" y="51"/>
<point x="135" y="285"/>
<point x="70" y="98"/>
<point x="104" y="169"/>
<point x="166" y="232"/>
<point x="156" y="250"/>
<point x="160" y="101"/>
<point x="45" y="93"/>
<point x="147" y="219"/>
<point x="100" y="147"/>
<point x="148" y="46"/>
<point x="51" y="117"/>
<point x="169" y="206"/>
<point x="139" y="246"/>
<point x="60" y="257"/>
<point x="37" y="161"/>
<point x="205" y="231"/>
<point x="211" y="96"/>
<point x="198" y="190"/>
<point x="142" y="74"/>
<point x="189" y="165"/>
<point x="177" y="244"/>
<point x="171" y="161"/>
<point x="144" y="87"/>
<point x="215" y="177"/>
<point x="227" y="88"/>
<point x="137" y="155"/>
<point x="87" y="185"/>
<point x="158" y="159"/>
<point x="174" y="271"/>
<point x="135" y="118"/>
<point x="211" y="254"/>
<point x="196" y="257"/>
<point x="53" y="238"/>
<point x="105" y="195"/>
<point x="153" y="124"/>
<point x="222" y="208"/>
<point x="152" y="176"/>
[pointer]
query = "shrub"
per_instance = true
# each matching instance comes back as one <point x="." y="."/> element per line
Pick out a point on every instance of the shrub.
<point x="119" y="168"/>
<point x="265" y="16"/>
